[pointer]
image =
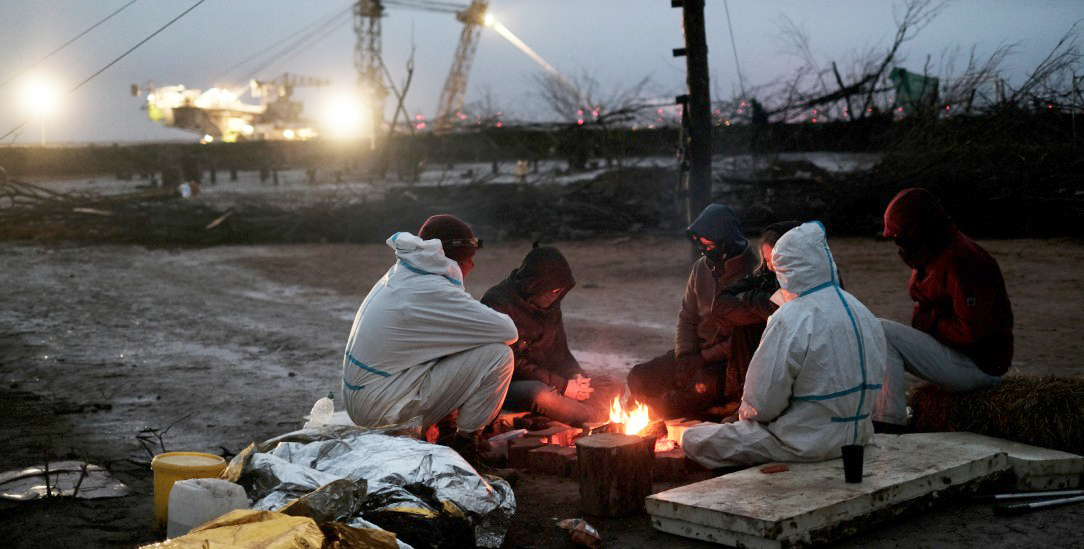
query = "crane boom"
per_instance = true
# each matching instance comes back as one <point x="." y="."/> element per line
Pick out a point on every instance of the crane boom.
<point x="367" y="57"/>
<point x="455" y="87"/>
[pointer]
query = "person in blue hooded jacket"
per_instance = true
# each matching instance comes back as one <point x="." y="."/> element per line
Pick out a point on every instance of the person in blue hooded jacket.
<point x="815" y="375"/>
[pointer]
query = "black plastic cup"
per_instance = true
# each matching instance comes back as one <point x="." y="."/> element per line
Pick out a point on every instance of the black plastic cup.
<point x="852" y="462"/>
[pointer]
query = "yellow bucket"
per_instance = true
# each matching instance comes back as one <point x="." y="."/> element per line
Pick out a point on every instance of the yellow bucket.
<point x="173" y="466"/>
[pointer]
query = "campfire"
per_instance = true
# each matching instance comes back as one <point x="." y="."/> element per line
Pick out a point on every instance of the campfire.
<point x="636" y="420"/>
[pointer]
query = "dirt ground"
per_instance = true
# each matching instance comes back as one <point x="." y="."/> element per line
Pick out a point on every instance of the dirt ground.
<point x="213" y="348"/>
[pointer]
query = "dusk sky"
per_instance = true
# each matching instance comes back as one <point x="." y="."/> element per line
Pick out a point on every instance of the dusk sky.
<point x="616" y="42"/>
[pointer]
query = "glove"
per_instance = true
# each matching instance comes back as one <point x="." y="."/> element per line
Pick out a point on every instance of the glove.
<point x="579" y="388"/>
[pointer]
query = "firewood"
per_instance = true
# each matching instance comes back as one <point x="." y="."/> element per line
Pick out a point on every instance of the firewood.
<point x="615" y="473"/>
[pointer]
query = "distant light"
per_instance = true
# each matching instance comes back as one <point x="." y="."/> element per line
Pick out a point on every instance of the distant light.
<point x="207" y="138"/>
<point x="288" y="134"/>
<point x="343" y="116"/>
<point x="40" y="97"/>
<point x="247" y="129"/>
<point x="488" y="20"/>
<point x="579" y="122"/>
<point x="500" y="124"/>
<point x="420" y="125"/>
<point x="419" y="117"/>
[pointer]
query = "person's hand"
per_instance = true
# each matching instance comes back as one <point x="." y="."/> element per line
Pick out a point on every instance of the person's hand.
<point x="579" y="388"/>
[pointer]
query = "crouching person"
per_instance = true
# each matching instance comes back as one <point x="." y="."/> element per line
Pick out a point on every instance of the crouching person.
<point x="815" y="374"/>
<point x="547" y="379"/>
<point x="422" y="347"/>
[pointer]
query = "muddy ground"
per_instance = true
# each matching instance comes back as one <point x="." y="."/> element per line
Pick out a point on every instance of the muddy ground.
<point x="215" y="347"/>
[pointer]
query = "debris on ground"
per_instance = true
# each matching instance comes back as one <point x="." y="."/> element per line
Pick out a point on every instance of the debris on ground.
<point x="581" y="533"/>
<point x="76" y="479"/>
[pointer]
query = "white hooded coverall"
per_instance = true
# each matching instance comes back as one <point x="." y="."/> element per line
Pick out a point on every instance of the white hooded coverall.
<point x="422" y="347"/>
<point x="815" y="375"/>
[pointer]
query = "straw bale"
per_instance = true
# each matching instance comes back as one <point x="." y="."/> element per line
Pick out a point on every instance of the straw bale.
<point x="1045" y="411"/>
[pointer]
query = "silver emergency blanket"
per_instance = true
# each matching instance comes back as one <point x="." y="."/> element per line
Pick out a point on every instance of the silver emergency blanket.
<point x="303" y="461"/>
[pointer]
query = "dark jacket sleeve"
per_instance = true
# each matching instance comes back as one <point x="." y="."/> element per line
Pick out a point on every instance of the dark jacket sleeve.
<point x="525" y="369"/>
<point x="687" y="340"/>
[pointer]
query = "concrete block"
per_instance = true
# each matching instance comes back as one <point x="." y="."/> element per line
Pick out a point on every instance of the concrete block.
<point x="552" y="460"/>
<point x="811" y="503"/>
<point x="1035" y="468"/>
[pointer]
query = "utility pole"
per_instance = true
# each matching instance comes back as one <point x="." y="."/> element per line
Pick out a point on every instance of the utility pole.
<point x="697" y="107"/>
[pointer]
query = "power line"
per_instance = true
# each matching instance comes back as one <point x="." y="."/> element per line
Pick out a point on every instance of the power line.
<point x="734" y="47"/>
<point x="320" y="24"/>
<point x="111" y="63"/>
<point x="66" y="44"/>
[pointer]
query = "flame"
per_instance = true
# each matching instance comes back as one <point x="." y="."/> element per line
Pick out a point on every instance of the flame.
<point x="633" y="420"/>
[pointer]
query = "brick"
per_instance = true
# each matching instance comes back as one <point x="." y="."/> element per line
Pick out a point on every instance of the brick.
<point x="517" y="451"/>
<point x="559" y="434"/>
<point x="670" y="466"/>
<point x="552" y="460"/>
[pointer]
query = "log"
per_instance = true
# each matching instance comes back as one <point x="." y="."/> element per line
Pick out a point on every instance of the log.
<point x="615" y="473"/>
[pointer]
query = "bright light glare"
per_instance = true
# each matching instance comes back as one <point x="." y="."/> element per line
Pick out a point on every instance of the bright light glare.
<point x="40" y="97"/>
<point x="488" y="20"/>
<point x="344" y="117"/>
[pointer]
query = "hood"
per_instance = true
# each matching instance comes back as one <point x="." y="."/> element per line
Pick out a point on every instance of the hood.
<point x="919" y="225"/>
<point x="802" y="259"/>
<point x="424" y="256"/>
<point x="719" y="224"/>
<point x="544" y="268"/>
<point x="916" y="214"/>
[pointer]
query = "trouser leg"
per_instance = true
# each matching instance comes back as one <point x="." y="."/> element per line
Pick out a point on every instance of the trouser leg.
<point x="920" y="354"/>
<point x="891" y="403"/>
<point x="934" y="361"/>
<point x="474" y="382"/>
<point x="650" y="380"/>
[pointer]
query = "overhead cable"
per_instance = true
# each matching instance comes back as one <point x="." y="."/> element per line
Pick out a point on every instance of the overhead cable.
<point x="111" y="63"/>
<point x="734" y="47"/>
<point x="66" y="44"/>
<point x="315" y="26"/>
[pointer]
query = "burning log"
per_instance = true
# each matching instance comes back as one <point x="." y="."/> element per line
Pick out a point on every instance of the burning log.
<point x="615" y="473"/>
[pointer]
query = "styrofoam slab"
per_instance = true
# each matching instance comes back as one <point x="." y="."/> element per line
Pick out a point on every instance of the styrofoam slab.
<point x="785" y="507"/>
<point x="1035" y="468"/>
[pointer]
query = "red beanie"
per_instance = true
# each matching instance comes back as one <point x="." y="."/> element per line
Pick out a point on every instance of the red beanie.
<point x="452" y="232"/>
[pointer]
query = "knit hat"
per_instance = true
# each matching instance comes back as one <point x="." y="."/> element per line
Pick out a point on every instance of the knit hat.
<point x="455" y="235"/>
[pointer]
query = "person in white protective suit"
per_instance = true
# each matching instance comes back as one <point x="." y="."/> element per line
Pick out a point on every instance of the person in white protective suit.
<point x="815" y="375"/>
<point x="421" y="347"/>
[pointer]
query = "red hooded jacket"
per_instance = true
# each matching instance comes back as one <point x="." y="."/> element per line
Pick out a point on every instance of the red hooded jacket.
<point x="959" y="293"/>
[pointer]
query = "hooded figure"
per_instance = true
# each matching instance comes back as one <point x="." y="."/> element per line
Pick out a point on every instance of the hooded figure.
<point x="718" y="326"/>
<point x="422" y="347"/>
<point x="813" y="379"/>
<point x="547" y="378"/>
<point x="961" y="326"/>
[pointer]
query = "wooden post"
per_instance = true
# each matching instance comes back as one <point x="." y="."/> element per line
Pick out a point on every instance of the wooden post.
<point x="698" y="107"/>
<point x="615" y="473"/>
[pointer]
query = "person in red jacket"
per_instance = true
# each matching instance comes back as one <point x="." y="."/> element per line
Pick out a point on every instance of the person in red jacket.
<point x="960" y="337"/>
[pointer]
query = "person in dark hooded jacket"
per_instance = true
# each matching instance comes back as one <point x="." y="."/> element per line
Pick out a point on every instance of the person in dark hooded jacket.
<point x="722" y="315"/>
<point x="547" y="379"/>
<point x="960" y="336"/>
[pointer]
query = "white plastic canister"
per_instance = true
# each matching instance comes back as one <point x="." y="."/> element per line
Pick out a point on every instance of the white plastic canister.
<point x="195" y="501"/>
